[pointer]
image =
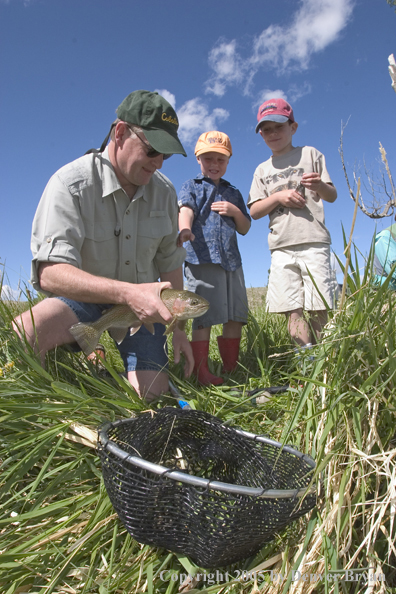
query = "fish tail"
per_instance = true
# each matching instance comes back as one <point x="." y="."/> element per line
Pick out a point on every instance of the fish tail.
<point x="86" y="336"/>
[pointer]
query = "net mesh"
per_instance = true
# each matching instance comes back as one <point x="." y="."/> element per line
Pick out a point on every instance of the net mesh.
<point x="214" y="528"/>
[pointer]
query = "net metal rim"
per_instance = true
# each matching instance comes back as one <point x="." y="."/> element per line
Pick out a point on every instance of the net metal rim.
<point x="196" y="481"/>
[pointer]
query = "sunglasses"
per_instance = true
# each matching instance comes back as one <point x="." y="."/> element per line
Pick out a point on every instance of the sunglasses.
<point x="150" y="151"/>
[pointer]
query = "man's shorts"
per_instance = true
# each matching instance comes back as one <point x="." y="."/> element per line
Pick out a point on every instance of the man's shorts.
<point x="140" y="352"/>
<point x="290" y="286"/>
<point x="225" y="291"/>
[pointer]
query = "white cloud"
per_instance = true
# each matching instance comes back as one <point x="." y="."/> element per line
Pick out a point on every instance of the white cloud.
<point x="294" y="93"/>
<point x="195" y="118"/>
<point x="228" y="67"/>
<point x="266" y="94"/>
<point x="315" y="25"/>
<point x="9" y="294"/>
<point x="291" y="95"/>
<point x="168" y="96"/>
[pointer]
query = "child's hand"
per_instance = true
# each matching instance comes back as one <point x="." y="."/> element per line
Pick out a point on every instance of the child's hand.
<point x="185" y="235"/>
<point x="225" y="208"/>
<point x="325" y="191"/>
<point x="290" y="198"/>
<point x="312" y="181"/>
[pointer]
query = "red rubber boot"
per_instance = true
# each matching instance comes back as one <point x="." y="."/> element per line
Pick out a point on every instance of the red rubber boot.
<point x="200" y="349"/>
<point x="229" y="351"/>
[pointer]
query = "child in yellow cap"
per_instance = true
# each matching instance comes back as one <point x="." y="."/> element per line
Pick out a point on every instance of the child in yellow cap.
<point x="212" y="211"/>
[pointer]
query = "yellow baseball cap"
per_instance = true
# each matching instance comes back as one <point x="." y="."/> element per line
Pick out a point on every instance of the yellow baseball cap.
<point x="215" y="141"/>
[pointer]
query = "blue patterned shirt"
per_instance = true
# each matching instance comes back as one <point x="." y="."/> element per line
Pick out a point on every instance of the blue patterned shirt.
<point x="215" y="235"/>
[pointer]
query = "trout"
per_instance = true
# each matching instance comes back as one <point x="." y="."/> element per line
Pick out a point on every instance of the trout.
<point x="183" y="305"/>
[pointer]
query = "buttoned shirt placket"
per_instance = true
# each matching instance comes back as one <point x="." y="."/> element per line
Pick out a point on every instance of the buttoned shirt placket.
<point x="128" y="238"/>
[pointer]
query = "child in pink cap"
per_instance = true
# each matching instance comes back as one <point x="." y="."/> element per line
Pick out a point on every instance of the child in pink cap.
<point x="289" y="187"/>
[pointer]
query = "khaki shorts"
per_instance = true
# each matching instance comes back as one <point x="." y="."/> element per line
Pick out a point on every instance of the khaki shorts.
<point x="290" y="287"/>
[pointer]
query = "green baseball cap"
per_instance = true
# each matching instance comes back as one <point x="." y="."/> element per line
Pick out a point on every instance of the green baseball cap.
<point x="156" y="117"/>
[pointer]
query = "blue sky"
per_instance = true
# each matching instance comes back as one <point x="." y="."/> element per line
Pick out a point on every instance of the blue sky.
<point x="66" y="65"/>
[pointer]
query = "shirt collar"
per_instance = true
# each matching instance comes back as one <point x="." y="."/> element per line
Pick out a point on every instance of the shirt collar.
<point x="110" y="181"/>
<point x="201" y="177"/>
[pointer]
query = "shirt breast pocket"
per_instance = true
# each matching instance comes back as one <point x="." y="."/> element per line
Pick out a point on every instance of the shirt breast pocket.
<point x="98" y="232"/>
<point x="157" y="226"/>
<point x="150" y="232"/>
<point x="99" y="251"/>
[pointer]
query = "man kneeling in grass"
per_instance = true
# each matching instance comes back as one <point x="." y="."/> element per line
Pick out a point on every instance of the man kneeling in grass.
<point x="104" y="232"/>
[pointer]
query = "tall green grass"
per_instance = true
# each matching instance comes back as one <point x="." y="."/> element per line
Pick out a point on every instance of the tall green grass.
<point x="58" y="530"/>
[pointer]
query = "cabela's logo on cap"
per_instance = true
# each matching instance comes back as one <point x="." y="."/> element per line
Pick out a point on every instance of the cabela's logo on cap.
<point x="169" y="119"/>
<point x="215" y="140"/>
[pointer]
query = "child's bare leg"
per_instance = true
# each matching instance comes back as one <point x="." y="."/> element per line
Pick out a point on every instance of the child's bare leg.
<point x="318" y="319"/>
<point x="232" y="329"/>
<point x="201" y="334"/>
<point x="298" y="327"/>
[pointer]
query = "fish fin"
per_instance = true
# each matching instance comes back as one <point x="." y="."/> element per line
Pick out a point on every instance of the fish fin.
<point x="118" y="334"/>
<point x="150" y="327"/>
<point x="182" y="325"/>
<point x="86" y="336"/>
<point x="171" y="326"/>
<point x="134" y="329"/>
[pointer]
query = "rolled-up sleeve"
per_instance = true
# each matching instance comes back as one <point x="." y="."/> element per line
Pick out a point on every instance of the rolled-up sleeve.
<point x="58" y="230"/>
<point x="187" y="196"/>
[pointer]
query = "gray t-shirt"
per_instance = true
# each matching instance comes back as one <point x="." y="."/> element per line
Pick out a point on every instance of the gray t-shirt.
<point x="292" y="226"/>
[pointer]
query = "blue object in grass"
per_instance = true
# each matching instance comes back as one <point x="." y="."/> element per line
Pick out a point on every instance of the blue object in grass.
<point x="183" y="404"/>
<point x="175" y="392"/>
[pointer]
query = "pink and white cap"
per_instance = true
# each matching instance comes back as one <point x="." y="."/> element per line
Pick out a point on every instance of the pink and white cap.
<point x="274" y="110"/>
